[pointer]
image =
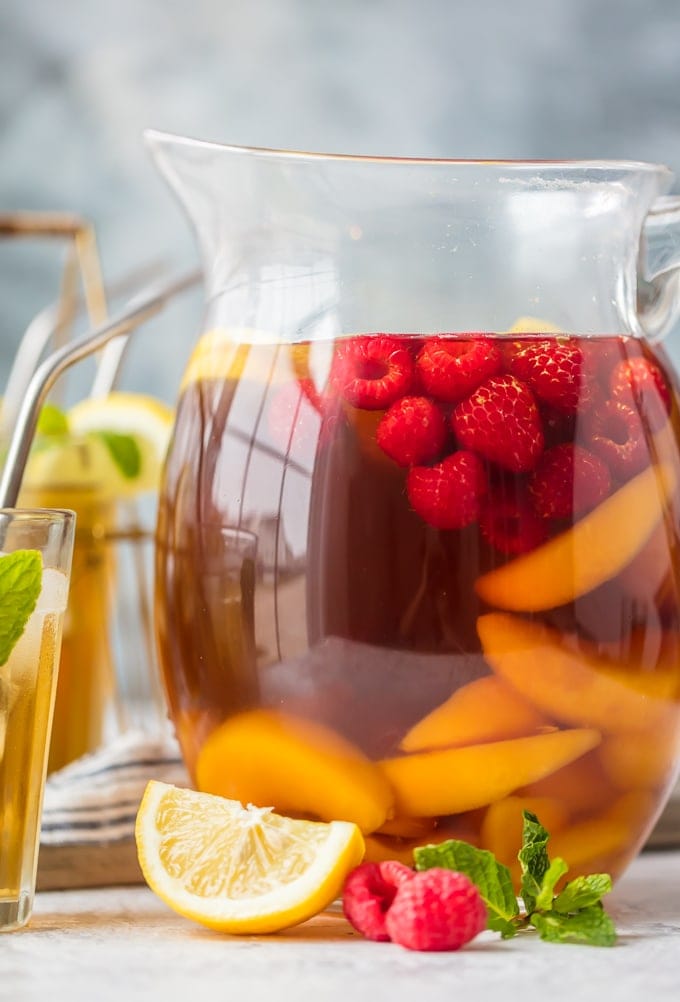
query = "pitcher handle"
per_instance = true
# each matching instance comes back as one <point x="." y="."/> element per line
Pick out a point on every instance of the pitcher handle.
<point x="659" y="278"/>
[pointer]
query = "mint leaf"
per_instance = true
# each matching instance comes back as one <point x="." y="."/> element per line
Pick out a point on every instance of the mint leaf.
<point x="590" y="926"/>
<point x="52" y="421"/>
<point x="533" y="858"/>
<point x="582" y="892"/>
<point x="491" y="877"/>
<point x="20" y="583"/>
<point x="124" y="451"/>
<point x="556" y="870"/>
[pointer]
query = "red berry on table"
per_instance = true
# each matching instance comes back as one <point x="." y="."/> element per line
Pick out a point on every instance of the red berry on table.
<point x="372" y="371"/>
<point x="640" y="384"/>
<point x="451" y="368"/>
<point x="436" y="910"/>
<point x="500" y="421"/>
<point x="413" y="431"/>
<point x="368" y="894"/>
<point x="555" y="372"/>
<point x="507" y="519"/>
<point x="568" y="481"/>
<point x="617" y="435"/>
<point x="448" y="495"/>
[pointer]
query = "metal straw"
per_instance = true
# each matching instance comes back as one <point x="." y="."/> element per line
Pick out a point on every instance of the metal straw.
<point x="140" y="309"/>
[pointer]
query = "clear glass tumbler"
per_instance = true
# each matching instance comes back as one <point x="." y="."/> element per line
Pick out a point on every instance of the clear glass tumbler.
<point x="28" y="676"/>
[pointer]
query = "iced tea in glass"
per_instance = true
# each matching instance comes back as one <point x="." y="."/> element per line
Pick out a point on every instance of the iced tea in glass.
<point x="27" y="689"/>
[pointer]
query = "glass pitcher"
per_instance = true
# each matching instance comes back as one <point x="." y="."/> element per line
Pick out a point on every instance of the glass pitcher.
<point x="417" y="550"/>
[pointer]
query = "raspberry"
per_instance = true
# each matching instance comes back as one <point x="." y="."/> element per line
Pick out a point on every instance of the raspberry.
<point x="640" y="384"/>
<point x="436" y="910"/>
<point x="500" y="420"/>
<point x="368" y="893"/>
<point x="448" y="495"/>
<point x="450" y="369"/>
<point x="555" y="371"/>
<point x="412" y="431"/>
<point x="617" y="436"/>
<point x="509" y="522"/>
<point x="568" y="481"/>
<point x="372" y="371"/>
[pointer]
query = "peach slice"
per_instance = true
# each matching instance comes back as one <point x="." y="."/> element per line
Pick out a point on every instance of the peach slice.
<point x="575" y="687"/>
<point x="633" y="764"/>
<point x="380" y="846"/>
<point x="273" y="759"/>
<point x="595" y="549"/>
<point x="453" y="780"/>
<point x="484" y="710"/>
<point x="581" y="787"/>
<point x="503" y="822"/>
<point x="614" y="833"/>
<point x="418" y="828"/>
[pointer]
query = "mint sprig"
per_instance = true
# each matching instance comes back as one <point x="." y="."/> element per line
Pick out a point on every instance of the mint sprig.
<point x="52" y="421"/>
<point x="20" y="583"/>
<point x="575" y="915"/>
<point x="124" y="451"/>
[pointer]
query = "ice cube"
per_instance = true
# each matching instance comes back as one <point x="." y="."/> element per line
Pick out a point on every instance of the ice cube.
<point x="54" y="592"/>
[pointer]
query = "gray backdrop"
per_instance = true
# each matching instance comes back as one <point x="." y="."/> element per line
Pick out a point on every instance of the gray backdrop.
<point x="80" y="80"/>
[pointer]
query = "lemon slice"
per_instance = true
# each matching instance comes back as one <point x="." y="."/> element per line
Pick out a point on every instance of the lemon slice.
<point x="238" y="869"/>
<point x="533" y="325"/>
<point x="145" y="420"/>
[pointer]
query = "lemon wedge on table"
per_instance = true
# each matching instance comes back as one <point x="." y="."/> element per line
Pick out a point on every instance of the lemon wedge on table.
<point x="240" y="869"/>
<point x="115" y="443"/>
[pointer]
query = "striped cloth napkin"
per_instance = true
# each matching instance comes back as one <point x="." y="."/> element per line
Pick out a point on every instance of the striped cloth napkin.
<point x="95" y="799"/>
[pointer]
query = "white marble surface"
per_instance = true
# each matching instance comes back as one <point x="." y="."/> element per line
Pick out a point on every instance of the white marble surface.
<point x="101" y="945"/>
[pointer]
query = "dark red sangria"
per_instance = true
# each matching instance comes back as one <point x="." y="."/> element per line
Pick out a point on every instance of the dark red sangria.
<point x="424" y="582"/>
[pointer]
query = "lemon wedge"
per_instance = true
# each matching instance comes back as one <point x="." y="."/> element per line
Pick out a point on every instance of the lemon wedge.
<point x="240" y="869"/>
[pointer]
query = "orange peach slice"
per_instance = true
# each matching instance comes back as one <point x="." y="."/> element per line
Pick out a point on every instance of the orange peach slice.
<point x="590" y="553"/>
<point x="418" y="828"/>
<point x="484" y="710"/>
<point x="615" y="832"/>
<point x="453" y="780"/>
<point x="575" y="687"/>
<point x="581" y="787"/>
<point x="298" y="767"/>
<point x="380" y="846"/>
<point x="631" y="763"/>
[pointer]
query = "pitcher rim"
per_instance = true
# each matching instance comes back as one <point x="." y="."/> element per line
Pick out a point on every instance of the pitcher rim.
<point x="159" y="135"/>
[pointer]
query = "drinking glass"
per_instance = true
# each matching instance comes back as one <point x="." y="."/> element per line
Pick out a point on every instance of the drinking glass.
<point x="27" y="690"/>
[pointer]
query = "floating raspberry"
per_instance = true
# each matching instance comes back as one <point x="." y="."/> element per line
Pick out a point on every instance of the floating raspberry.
<point x="412" y="431"/>
<point x="368" y="894"/>
<point x="451" y="368"/>
<point x="554" y="370"/>
<point x="618" y="436"/>
<point x="640" y="384"/>
<point x="509" y="522"/>
<point x="448" y="495"/>
<point x="436" y="910"/>
<point x="372" y="371"/>
<point x="501" y="422"/>
<point x="568" y="481"/>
